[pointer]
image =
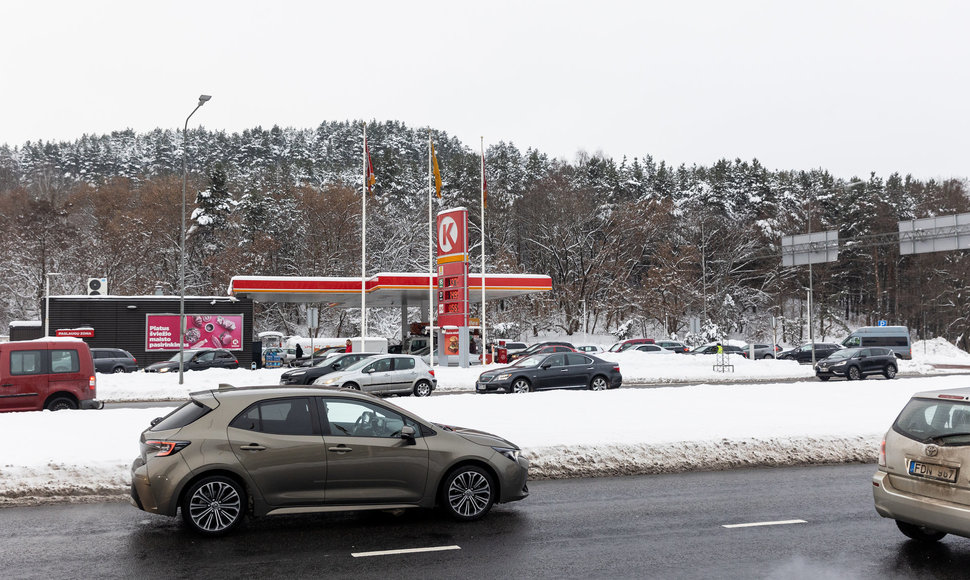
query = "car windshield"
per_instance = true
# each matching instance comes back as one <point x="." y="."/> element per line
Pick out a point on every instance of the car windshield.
<point x="325" y="359"/>
<point x="529" y="361"/>
<point x="188" y="354"/>
<point x="939" y="421"/>
<point x="841" y="354"/>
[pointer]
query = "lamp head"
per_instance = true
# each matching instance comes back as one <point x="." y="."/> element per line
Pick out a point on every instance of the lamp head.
<point x="203" y="99"/>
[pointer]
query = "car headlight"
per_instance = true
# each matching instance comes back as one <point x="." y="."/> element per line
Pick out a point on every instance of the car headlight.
<point x="330" y="381"/>
<point x="503" y="376"/>
<point x="296" y="373"/>
<point x="164" y="369"/>
<point x="512" y="454"/>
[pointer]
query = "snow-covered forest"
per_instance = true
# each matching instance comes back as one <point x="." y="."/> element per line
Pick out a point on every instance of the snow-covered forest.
<point x="644" y="245"/>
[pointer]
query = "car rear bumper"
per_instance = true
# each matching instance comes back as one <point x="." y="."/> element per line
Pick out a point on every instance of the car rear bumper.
<point x="92" y="404"/>
<point x="934" y="513"/>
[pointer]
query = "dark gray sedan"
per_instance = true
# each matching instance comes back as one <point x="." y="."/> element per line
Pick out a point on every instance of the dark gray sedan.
<point x="559" y="370"/>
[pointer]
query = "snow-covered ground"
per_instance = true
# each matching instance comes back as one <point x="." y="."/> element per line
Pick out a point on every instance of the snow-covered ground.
<point x="744" y="418"/>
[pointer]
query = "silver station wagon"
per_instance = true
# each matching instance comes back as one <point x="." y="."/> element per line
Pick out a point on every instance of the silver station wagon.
<point x="923" y="480"/>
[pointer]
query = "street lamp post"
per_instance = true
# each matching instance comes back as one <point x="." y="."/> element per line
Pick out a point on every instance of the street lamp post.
<point x="47" y="303"/>
<point x="185" y="173"/>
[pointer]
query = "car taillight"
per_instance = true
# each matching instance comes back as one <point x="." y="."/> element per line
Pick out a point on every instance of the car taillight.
<point x="616" y="368"/>
<point x="431" y="371"/>
<point x="92" y="382"/>
<point x="882" y="453"/>
<point x="166" y="448"/>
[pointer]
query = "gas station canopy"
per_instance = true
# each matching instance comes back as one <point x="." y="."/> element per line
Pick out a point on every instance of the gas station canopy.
<point x="383" y="289"/>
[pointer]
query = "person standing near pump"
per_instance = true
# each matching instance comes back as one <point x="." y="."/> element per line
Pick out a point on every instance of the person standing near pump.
<point x="348" y="346"/>
<point x="299" y="351"/>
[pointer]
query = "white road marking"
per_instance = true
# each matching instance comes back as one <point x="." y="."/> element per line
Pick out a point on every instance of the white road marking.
<point x="407" y="551"/>
<point x="754" y="524"/>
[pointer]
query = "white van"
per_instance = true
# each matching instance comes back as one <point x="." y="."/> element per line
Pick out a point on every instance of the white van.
<point x="894" y="337"/>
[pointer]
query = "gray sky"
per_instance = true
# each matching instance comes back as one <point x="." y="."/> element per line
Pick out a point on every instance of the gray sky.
<point x="848" y="86"/>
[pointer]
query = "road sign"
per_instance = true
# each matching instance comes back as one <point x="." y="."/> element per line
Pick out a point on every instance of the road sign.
<point x="881" y="323"/>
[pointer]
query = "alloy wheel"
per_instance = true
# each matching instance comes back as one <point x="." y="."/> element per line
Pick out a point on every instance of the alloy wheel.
<point x="469" y="494"/>
<point x="214" y="506"/>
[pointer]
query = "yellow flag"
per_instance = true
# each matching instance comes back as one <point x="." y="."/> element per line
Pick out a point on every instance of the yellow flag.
<point x="437" y="174"/>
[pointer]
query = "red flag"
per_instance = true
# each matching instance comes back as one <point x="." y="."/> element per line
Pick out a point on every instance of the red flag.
<point x="370" y="169"/>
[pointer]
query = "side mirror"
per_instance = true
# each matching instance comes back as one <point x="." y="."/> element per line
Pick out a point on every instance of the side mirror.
<point x="545" y="366"/>
<point x="407" y="433"/>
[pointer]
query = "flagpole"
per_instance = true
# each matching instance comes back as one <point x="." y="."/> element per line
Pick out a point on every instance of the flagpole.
<point x="363" y="242"/>
<point x="482" y="322"/>
<point x="431" y="308"/>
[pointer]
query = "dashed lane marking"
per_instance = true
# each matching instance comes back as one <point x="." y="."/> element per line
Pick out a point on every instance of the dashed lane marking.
<point x="755" y="524"/>
<point x="406" y="551"/>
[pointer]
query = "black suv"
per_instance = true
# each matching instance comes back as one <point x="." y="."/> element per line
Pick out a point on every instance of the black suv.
<point x="113" y="360"/>
<point x="803" y="354"/>
<point x="857" y="363"/>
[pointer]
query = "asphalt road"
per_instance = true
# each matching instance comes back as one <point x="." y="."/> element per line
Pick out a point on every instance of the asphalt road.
<point x="662" y="526"/>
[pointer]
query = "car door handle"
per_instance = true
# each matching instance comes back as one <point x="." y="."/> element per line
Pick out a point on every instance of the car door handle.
<point x="340" y="449"/>
<point x="252" y="447"/>
<point x="564" y="370"/>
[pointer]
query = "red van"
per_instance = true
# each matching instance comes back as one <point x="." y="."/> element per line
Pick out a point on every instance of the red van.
<point x="52" y="374"/>
<point x="630" y="343"/>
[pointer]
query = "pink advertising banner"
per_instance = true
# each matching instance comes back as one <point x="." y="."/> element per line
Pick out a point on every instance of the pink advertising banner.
<point x="201" y="331"/>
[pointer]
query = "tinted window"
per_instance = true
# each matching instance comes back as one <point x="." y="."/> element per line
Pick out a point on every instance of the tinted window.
<point x="184" y="415"/>
<point x="578" y="359"/>
<point x="226" y="355"/>
<point x="65" y="361"/>
<point x="26" y="362"/>
<point x="277" y="417"/>
<point x="403" y="364"/>
<point x="885" y="341"/>
<point x="556" y="360"/>
<point x="943" y="422"/>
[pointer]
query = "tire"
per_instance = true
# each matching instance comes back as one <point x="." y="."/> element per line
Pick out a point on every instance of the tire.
<point x="422" y="389"/>
<point x="214" y="505"/>
<point x="521" y="385"/>
<point x="118" y="370"/>
<point x="890" y="371"/>
<point x="823" y="379"/>
<point x="61" y="404"/>
<point x="853" y="374"/>
<point x="599" y="383"/>
<point x="468" y="493"/>
<point x="768" y="357"/>
<point x="919" y="533"/>
<point x="353" y="386"/>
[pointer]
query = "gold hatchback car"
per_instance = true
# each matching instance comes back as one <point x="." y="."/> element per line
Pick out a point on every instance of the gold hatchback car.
<point x="923" y="480"/>
<point x="258" y="451"/>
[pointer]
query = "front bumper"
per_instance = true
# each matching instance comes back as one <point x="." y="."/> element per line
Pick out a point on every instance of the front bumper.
<point x="934" y="513"/>
<point x="515" y="481"/>
<point x="481" y="387"/>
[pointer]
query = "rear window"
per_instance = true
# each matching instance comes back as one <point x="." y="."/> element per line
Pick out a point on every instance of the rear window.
<point x="65" y="361"/>
<point x="188" y="413"/>
<point x="935" y="421"/>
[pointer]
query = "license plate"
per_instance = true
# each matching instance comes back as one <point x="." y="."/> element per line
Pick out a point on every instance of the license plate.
<point x="933" y="471"/>
<point x="479" y="387"/>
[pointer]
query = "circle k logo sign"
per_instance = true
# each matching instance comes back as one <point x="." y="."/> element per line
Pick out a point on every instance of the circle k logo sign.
<point x="448" y="235"/>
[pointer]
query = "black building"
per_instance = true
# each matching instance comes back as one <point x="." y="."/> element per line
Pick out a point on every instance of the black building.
<point x="123" y="322"/>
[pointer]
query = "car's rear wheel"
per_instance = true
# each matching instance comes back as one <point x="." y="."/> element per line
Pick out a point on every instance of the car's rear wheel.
<point x="920" y="533"/>
<point x="61" y="404"/>
<point x="599" y="383"/>
<point x="118" y="370"/>
<point x="853" y="374"/>
<point x="468" y="493"/>
<point x="768" y="357"/>
<point x="214" y="505"/>
<point x="422" y="389"/>
<point x="521" y="386"/>
<point x="890" y="372"/>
